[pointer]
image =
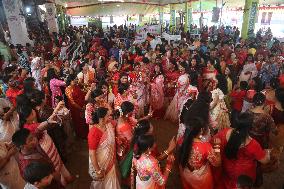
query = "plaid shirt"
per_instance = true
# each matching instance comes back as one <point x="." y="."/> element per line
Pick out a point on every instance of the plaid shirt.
<point x="23" y="62"/>
<point x="267" y="72"/>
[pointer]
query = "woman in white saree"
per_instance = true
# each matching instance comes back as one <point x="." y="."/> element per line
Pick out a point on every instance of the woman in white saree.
<point x="102" y="154"/>
<point x="184" y="91"/>
<point x="9" y="121"/>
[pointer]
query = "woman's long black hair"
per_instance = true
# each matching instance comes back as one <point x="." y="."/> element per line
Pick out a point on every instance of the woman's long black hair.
<point x="279" y="94"/>
<point x="222" y="83"/>
<point x="160" y="73"/>
<point x="185" y="110"/>
<point x="185" y="66"/>
<point x="192" y="131"/>
<point x="51" y="74"/>
<point x="126" y="108"/>
<point x="98" y="114"/>
<point x="28" y="85"/>
<point x="258" y="99"/>
<point x="258" y="86"/>
<point x="199" y="108"/>
<point x="239" y="135"/>
<point x="120" y="76"/>
<point x="142" y="127"/>
<point x="123" y="87"/>
<point x="70" y="78"/>
<point x="24" y="109"/>
<point x="96" y="93"/>
<point x="143" y="143"/>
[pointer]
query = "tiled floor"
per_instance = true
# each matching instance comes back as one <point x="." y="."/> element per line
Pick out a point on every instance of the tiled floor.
<point x="78" y="161"/>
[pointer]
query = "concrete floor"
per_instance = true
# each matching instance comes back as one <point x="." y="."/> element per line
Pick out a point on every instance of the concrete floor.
<point x="164" y="131"/>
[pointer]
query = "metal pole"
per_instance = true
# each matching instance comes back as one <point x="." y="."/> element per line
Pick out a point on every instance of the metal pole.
<point x="2" y="33"/>
<point x="200" y="9"/>
<point x="222" y="3"/>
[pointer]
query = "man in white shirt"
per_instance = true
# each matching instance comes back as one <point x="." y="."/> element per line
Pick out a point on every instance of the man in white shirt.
<point x="87" y="75"/>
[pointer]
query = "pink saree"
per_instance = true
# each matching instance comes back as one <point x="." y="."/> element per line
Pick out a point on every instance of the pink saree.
<point x="149" y="175"/>
<point x="183" y="93"/>
<point x="157" y="93"/>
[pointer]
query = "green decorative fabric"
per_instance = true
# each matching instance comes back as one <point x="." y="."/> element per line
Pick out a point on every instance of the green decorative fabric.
<point x="125" y="165"/>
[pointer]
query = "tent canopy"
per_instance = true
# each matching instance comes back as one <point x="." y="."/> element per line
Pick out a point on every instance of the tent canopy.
<point x="130" y="7"/>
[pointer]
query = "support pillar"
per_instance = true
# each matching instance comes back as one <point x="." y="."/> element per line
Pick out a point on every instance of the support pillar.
<point x="51" y="17"/>
<point x="173" y="18"/>
<point x="14" y="12"/>
<point x="161" y="15"/>
<point x="188" y="16"/>
<point x="140" y="19"/>
<point x="249" y="17"/>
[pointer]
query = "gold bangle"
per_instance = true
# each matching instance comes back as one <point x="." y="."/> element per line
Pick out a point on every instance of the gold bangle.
<point x="217" y="150"/>
<point x="168" y="170"/>
<point x="166" y="152"/>
<point x="98" y="172"/>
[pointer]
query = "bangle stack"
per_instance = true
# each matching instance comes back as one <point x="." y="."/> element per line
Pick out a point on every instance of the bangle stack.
<point x="166" y="152"/>
<point x="168" y="170"/>
<point x="217" y="148"/>
<point x="99" y="172"/>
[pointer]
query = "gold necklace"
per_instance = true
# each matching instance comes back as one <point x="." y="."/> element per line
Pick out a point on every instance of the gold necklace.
<point x="101" y="127"/>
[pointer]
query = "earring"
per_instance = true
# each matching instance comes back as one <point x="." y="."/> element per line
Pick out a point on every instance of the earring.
<point x="148" y="153"/>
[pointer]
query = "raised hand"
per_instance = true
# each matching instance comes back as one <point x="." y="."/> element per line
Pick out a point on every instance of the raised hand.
<point x="172" y="145"/>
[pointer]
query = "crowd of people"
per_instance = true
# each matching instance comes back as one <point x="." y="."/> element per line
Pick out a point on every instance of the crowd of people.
<point x="223" y="94"/>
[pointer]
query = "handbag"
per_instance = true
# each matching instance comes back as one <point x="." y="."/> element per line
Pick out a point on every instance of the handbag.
<point x="125" y="164"/>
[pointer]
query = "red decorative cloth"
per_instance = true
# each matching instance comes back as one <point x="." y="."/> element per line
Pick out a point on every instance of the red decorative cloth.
<point x="94" y="138"/>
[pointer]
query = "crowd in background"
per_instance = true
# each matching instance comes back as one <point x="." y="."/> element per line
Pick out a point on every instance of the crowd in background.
<point x="225" y="95"/>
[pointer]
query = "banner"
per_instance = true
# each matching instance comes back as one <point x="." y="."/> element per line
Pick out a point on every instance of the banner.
<point x="16" y="21"/>
<point x="51" y="17"/>
<point x="216" y="14"/>
<point x="169" y="37"/>
<point x="141" y="32"/>
<point x="173" y="18"/>
<point x="161" y="17"/>
<point x="252" y="17"/>
<point x="266" y="18"/>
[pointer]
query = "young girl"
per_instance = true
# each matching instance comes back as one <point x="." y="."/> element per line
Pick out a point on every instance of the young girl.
<point x="157" y="91"/>
<point x="64" y="119"/>
<point x="149" y="175"/>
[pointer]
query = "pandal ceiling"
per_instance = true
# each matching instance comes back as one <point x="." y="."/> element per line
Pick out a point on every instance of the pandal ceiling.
<point x="131" y="7"/>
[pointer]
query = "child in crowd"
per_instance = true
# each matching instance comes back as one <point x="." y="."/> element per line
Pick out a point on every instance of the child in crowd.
<point x="39" y="176"/>
<point x="29" y="150"/>
<point x="238" y="94"/>
<point x="64" y="119"/>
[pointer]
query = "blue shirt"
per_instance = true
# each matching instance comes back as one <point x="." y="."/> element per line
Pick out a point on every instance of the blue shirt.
<point x="114" y="52"/>
<point x="267" y="72"/>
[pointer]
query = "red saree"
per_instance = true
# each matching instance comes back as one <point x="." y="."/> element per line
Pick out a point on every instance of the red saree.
<point x="245" y="163"/>
<point x="76" y="100"/>
<point x="202" y="156"/>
